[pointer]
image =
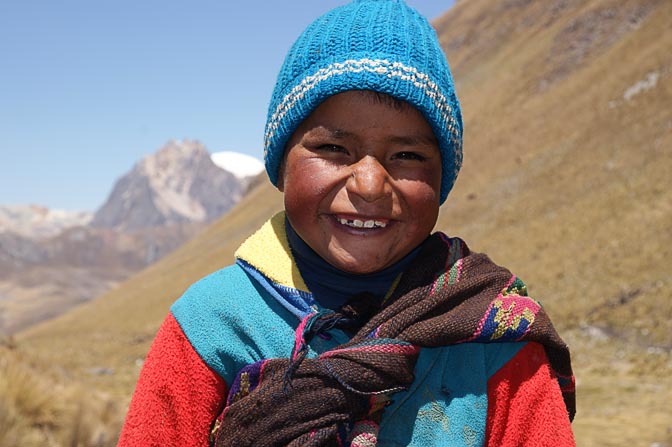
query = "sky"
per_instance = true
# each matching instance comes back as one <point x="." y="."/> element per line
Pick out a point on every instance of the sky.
<point x="90" y="87"/>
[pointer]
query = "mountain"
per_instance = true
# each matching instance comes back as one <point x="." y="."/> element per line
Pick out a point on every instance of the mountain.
<point x="51" y="261"/>
<point x="566" y="180"/>
<point x="37" y="222"/>
<point x="179" y="183"/>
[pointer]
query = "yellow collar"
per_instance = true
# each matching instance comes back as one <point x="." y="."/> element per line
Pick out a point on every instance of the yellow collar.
<point x="268" y="251"/>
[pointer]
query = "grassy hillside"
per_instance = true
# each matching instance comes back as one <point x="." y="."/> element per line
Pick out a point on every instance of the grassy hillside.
<point x="568" y="154"/>
<point x="560" y="165"/>
<point x="567" y="180"/>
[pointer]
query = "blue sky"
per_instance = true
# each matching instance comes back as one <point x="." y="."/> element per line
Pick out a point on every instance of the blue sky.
<point x="89" y="87"/>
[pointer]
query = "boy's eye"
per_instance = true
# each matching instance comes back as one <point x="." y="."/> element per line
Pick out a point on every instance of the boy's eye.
<point x="409" y="156"/>
<point x="331" y="148"/>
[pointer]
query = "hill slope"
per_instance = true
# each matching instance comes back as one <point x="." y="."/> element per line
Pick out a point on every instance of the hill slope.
<point x="568" y="149"/>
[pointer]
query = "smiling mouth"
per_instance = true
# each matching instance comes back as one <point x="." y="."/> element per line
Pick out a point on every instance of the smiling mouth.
<point x="358" y="223"/>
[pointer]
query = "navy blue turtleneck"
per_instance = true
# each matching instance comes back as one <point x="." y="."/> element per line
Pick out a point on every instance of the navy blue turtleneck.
<point x="332" y="287"/>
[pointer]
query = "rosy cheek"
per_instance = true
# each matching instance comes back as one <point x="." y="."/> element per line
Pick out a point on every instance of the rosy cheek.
<point x="421" y="190"/>
<point x="431" y="195"/>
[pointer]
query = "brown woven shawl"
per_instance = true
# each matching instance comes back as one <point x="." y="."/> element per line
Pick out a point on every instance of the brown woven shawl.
<point x="448" y="296"/>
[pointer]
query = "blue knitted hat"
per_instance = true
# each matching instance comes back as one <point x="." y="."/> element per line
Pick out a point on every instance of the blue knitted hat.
<point x="379" y="45"/>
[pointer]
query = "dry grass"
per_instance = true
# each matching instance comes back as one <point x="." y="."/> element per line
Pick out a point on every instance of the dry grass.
<point x="37" y="409"/>
<point x="623" y="391"/>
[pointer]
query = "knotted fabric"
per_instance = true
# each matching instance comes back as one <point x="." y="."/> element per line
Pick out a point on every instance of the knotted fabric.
<point x="447" y="296"/>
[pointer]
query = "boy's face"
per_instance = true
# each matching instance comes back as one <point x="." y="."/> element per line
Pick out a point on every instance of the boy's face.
<point x="361" y="180"/>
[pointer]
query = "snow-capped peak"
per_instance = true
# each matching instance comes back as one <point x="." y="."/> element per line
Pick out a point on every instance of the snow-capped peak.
<point x="35" y="221"/>
<point x="238" y="164"/>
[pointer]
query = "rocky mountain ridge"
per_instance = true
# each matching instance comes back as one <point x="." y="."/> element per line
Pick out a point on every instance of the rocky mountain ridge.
<point x="179" y="183"/>
<point x="53" y="260"/>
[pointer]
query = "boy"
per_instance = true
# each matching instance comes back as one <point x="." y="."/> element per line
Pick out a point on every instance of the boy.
<point x="344" y="320"/>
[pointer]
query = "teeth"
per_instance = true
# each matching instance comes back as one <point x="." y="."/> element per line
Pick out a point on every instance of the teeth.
<point x="356" y="223"/>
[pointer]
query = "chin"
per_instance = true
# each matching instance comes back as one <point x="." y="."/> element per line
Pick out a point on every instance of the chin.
<point x="357" y="267"/>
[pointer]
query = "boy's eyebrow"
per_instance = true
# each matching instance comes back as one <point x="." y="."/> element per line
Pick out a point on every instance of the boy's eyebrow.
<point x="339" y="133"/>
<point x="414" y="140"/>
<point x="325" y="131"/>
<point x="402" y="140"/>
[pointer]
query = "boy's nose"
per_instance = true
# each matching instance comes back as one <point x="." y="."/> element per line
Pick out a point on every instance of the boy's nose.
<point x="369" y="179"/>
